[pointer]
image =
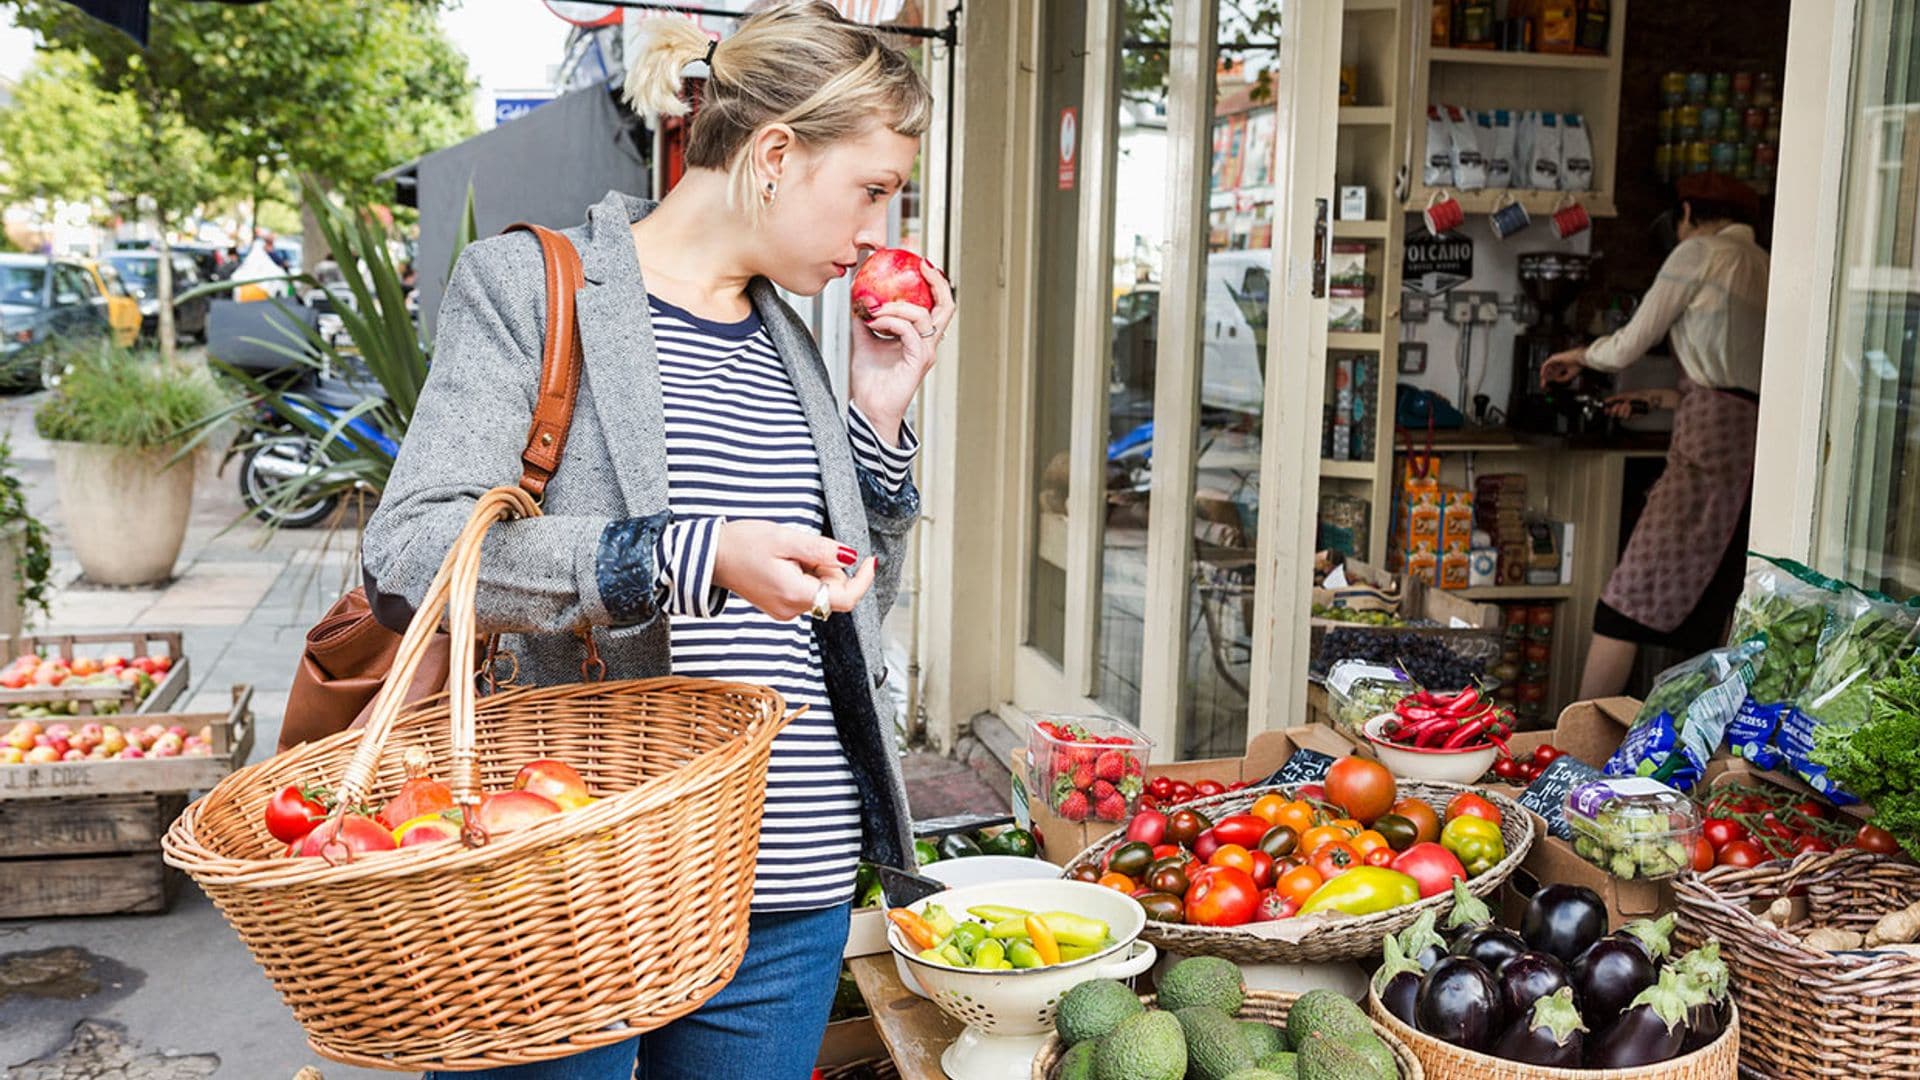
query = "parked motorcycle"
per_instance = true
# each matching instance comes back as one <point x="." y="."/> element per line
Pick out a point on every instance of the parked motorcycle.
<point x="282" y="451"/>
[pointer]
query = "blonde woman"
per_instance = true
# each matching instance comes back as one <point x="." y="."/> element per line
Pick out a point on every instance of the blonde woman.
<point x="718" y="512"/>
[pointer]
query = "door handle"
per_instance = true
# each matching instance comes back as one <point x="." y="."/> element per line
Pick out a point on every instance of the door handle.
<point x="1322" y="245"/>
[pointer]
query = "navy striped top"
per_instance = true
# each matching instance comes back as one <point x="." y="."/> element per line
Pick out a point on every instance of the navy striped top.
<point x="738" y="446"/>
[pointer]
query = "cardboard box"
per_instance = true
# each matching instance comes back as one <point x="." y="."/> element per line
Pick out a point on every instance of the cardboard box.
<point x="1552" y="861"/>
<point x="1588" y="730"/>
<point x="1060" y="840"/>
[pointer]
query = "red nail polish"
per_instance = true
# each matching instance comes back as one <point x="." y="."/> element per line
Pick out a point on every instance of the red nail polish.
<point x="848" y="556"/>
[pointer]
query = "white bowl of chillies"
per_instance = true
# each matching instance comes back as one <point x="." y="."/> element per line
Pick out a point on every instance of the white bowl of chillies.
<point x="1461" y="764"/>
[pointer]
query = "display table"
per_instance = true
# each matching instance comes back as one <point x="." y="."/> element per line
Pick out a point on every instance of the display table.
<point x="914" y="1029"/>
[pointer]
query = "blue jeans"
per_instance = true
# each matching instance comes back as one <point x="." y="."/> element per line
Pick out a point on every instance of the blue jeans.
<point x="764" y="1025"/>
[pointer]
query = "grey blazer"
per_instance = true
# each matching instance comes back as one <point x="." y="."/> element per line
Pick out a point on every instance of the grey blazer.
<point x="542" y="578"/>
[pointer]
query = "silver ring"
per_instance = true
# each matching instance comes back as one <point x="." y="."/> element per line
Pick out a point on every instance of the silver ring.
<point x="822" y="603"/>
<point x="931" y="332"/>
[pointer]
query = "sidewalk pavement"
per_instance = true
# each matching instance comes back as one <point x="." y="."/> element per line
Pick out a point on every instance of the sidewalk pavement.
<point x="175" y="996"/>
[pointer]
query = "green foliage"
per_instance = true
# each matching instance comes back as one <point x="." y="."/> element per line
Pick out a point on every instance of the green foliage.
<point x="35" y="564"/>
<point x="1247" y="32"/>
<point x="1879" y="761"/>
<point x="118" y="397"/>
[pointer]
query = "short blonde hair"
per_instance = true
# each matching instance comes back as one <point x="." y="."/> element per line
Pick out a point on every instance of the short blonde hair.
<point x="799" y="64"/>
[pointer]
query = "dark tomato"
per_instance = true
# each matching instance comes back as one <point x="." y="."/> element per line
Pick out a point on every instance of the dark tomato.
<point x="1703" y="855"/>
<point x="1876" y="839"/>
<point x="1163" y="907"/>
<point x="1364" y="789"/>
<point x="1722" y="831"/>
<point x="1086" y="872"/>
<point x="1741" y="853"/>
<point x="1131" y="858"/>
<point x="1147" y="802"/>
<point x="1426" y="823"/>
<point x="1184" y="827"/>
<point x="1206" y="844"/>
<point x="1279" y="841"/>
<point x="1382" y="856"/>
<point x="1169" y="879"/>
<point x="1263" y="869"/>
<point x="1544" y="755"/>
<point x="1334" y="859"/>
<point x="1400" y="831"/>
<point x="1209" y="788"/>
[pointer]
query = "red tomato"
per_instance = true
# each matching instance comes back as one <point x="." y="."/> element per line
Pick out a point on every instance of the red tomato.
<point x="1775" y="827"/>
<point x="1275" y="905"/>
<point x="1544" y="755"/>
<point x="1208" y="788"/>
<point x="1876" y="839"/>
<point x="1265" y="871"/>
<point x="1810" y="843"/>
<point x="1379" y="857"/>
<point x="1223" y="896"/>
<point x="357" y="835"/>
<point x="1815" y="810"/>
<point x="293" y="813"/>
<point x="1334" y="859"/>
<point x="1507" y="769"/>
<point x="1311" y="792"/>
<point x="1703" y="855"/>
<point x="1148" y="826"/>
<point x="1205" y="845"/>
<point x="1242" y="829"/>
<point x="1182" y="791"/>
<point x="1473" y="805"/>
<point x="1162" y="851"/>
<point x="1364" y="789"/>
<point x="1160" y="787"/>
<point x="1740" y="853"/>
<point x="1238" y="785"/>
<point x="1432" y="866"/>
<point x="1722" y="831"/>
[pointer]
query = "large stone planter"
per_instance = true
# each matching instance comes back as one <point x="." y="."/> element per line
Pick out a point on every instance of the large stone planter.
<point x="126" y="514"/>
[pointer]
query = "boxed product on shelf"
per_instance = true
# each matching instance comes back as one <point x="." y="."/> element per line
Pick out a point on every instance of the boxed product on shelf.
<point x="1366" y="389"/>
<point x="1520" y="148"/>
<point x="1348" y="265"/>
<point x="1342" y="444"/>
<point x="1456" y="520"/>
<point x="1347" y="309"/>
<point x="1344" y="523"/>
<point x="1719" y="122"/>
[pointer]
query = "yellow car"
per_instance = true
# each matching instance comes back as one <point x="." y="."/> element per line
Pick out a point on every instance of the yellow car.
<point x="123" y="311"/>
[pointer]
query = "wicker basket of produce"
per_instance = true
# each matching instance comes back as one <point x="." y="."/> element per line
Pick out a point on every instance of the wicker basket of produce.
<point x="1821" y="994"/>
<point x="1327" y="1018"/>
<point x="534" y="927"/>
<point x="1718" y="1060"/>
<point x="1328" y="935"/>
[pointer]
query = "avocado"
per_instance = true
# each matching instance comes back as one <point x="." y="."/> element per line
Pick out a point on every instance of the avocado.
<point x="1324" y="1057"/>
<point x="1203" y="980"/>
<point x="1077" y="1063"/>
<point x="1094" y="1008"/>
<point x="1258" y="1074"/>
<point x="1262" y="1039"/>
<point x="1146" y="1046"/>
<point x="1284" y="1066"/>
<point x="1327" y="1013"/>
<point x="1216" y="1047"/>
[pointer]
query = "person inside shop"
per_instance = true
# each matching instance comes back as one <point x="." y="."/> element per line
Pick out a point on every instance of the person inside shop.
<point x="717" y="512"/>
<point x="1678" y="580"/>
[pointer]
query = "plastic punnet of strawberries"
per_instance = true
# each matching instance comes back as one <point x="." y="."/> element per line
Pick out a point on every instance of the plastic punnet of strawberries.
<point x="1088" y="776"/>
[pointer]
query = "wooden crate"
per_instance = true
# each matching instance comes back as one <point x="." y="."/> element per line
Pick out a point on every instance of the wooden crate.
<point x="132" y="643"/>
<point x="83" y="837"/>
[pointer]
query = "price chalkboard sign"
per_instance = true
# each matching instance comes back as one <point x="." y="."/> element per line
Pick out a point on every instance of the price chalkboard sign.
<point x="1547" y="795"/>
<point x="1304" y="767"/>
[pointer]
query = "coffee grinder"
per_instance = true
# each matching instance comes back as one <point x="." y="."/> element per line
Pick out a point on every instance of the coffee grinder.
<point x="1552" y="282"/>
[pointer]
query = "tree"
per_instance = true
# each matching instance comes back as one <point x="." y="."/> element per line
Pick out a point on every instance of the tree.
<point x="66" y="138"/>
<point x="338" y="91"/>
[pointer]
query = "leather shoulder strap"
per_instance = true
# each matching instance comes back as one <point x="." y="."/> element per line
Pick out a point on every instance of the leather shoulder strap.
<point x="560" y="361"/>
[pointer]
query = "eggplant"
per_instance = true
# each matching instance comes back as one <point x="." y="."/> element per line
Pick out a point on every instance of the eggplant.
<point x="1564" y="920"/>
<point x="1653" y="936"/>
<point x="1469" y="913"/>
<point x="1422" y="944"/>
<point x="1652" y="1029"/>
<point x="1527" y="978"/>
<point x="1491" y="945"/>
<point x="1397" y="983"/>
<point x="1549" y="1034"/>
<point x="1459" y="1002"/>
<point x="1611" y="973"/>
<point x="1704" y="976"/>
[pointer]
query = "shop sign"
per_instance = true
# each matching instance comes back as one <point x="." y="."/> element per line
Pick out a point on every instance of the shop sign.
<point x="1436" y="264"/>
<point x="1069" y="145"/>
<point x="512" y="108"/>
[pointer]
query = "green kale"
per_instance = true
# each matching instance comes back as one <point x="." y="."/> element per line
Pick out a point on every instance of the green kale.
<point x="1879" y="759"/>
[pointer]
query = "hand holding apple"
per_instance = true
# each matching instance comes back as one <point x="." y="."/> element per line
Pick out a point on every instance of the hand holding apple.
<point x="904" y="305"/>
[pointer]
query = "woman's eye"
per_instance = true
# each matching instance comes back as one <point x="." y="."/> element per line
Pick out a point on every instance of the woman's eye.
<point x="874" y="194"/>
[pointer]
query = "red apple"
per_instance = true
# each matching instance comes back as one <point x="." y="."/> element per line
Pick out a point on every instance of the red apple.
<point x="554" y="780"/>
<point x="508" y="810"/>
<point x="890" y="275"/>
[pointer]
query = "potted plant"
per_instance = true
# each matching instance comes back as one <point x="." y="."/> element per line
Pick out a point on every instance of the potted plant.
<point x="26" y="559"/>
<point x="117" y="423"/>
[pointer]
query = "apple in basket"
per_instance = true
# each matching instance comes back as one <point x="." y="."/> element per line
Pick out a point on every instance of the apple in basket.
<point x="357" y="833"/>
<point x="554" y="780"/>
<point x="504" y="811"/>
<point x="434" y="828"/>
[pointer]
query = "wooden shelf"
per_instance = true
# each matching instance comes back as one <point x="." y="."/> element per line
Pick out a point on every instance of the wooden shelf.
<point x="1350" y="341"/>
<point x="1497" y="58"/>
<point x="1495" y="593"/>
<point x="1351" y="229"/>
<point x="1366" y="115"/>
<point x="1356" y="6"/>
<point x="1540" y="205"/>
<point x="1346" y="470"/>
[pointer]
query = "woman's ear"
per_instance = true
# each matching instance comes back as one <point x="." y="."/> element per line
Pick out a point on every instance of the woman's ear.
<point x="773" y="145"/>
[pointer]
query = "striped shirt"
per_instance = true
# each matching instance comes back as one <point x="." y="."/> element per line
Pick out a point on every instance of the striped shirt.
<point x="738" y="446"/>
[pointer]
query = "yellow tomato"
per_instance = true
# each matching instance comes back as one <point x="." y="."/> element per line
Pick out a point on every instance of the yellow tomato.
<point x="1268" y="808"/>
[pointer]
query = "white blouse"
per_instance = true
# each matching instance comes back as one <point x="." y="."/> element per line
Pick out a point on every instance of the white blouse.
<point x="1711" y="299"/>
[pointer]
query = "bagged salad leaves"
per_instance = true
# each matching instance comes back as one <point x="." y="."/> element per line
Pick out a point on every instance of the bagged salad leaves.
<point x="1685" y="717"/>
<point x="1868" y="634"/>
<point x="1787" y="606"/>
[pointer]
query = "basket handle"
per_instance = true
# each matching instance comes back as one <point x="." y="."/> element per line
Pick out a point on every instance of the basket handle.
<point x="452" y="593"/>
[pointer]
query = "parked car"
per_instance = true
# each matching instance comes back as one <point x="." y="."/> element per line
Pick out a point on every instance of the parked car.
<point x="46" y="305"/>
<point x="140" y="270"/>
<point x="207" y="258"/>
<point x="123" y="310"/>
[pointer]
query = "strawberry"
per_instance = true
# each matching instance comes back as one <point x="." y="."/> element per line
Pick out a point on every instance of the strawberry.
<point x="1110" y="766"/>
<point x="1075" y="807"/>
<point x="1084" y="755"/>
<point x="1049" y="727"/>
<point x="1061" y="763"/>
<point x="1111" y="808"/>
<point x="1133" y="765"/>
<point x="1100" y="790"/>
<point x="1083" y="777"/>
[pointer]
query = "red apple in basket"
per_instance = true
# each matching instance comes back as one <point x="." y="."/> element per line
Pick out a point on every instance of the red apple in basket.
<point x="508" y="810"/>
<point x="554" y="780"/>
<point x="890" y="275"/>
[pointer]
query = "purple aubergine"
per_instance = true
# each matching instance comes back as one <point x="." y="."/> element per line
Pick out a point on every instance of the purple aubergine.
<point x="1422" y="943"/>
<point x="1527" y="978"/>
<point x="1549" y="1034"/>
<point x="1459" y="1002"/>
<point x="1610" y="974"/>
<point x="1654" y="936"/>
<point x="1398" y="981"/>
<point x="1706" y="1021"/>
<point x="1491" y="945"/>
<point x="1652" y="1029"/>
<point x="1705" y="978"/>
<point x="1564" y="920"/>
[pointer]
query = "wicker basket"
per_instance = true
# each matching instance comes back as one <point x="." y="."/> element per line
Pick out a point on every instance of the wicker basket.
<point x="1718" y="1060"/>
<point x="1317" y="940"/>
<point x="1811" y="1013"/>
<point x="1267" y="1006"/>
<point x="524" y="947"/>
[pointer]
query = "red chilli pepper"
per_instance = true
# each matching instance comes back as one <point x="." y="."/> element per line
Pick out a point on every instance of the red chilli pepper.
<point x="1416" y="713"/>
<point x="1468" y="732"/>
<point x="1465" y="704"/>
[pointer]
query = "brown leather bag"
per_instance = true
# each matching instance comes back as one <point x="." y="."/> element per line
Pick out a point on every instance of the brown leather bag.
<point x="348" y="652"/>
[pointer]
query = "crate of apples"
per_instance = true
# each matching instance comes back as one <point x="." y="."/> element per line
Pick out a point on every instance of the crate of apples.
<point x="32" y="742"/>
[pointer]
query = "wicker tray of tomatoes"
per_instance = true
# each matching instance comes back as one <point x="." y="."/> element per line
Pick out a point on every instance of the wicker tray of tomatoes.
<point x="1310" y="874"/>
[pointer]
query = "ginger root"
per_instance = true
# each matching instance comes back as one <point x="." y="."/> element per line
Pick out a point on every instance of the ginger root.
<point x="1898" y="928"/>
<point x="1832" y="939"/>
<point x="1780" y="912"/>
